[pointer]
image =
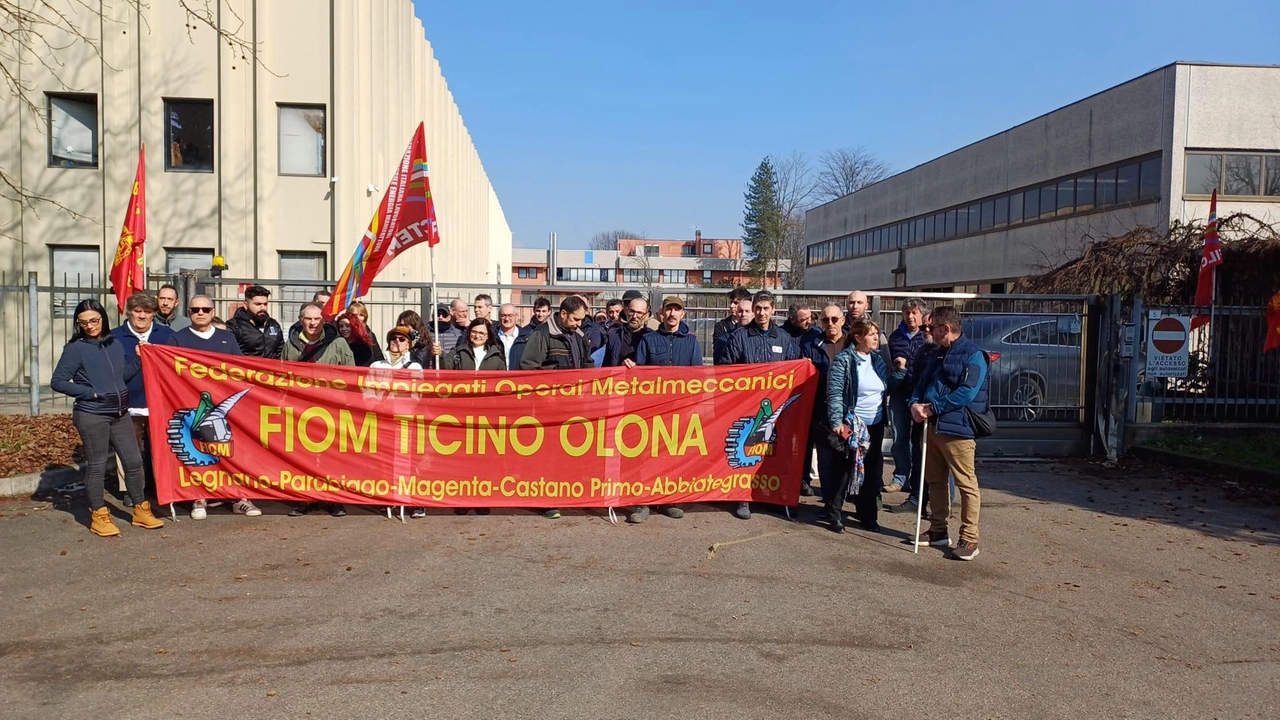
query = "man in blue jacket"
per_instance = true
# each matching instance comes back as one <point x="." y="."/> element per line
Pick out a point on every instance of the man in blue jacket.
<point x="623" y="339"/>
<point x="141" y="326"/>
<point x="670" y="345"/>
<point x="954" y="380"/>
<point x="904" y="343"/>
<point x="821" y="351"/>
<point x="760" y="342"/>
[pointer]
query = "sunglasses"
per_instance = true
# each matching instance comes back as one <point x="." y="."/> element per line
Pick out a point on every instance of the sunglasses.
<point x="830" y="320"/>
<point x="201" y="309"/>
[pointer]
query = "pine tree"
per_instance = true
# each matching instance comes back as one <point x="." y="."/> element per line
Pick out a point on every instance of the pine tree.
<point x="763" y="230"/>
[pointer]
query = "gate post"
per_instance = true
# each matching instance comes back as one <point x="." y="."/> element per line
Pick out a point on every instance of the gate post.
<point x="33" y="302"/>
<point x="1135" y="362"/>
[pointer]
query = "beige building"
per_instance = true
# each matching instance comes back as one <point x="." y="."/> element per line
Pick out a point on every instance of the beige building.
<point x="278" y="166"/>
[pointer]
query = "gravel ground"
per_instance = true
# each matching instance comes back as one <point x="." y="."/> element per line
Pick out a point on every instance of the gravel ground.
<point x="1096" y="595"/>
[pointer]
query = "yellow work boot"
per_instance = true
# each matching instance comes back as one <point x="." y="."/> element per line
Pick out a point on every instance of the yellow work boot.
<point x="143" y="518"/>
<point x="100" y="523"/>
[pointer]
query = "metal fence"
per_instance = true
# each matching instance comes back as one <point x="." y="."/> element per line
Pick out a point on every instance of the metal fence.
<point x="1039" y="344"/>
<point x="1228" y="379"/>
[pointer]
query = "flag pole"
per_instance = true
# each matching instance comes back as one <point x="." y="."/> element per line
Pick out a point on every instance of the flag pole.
<point x="435" y="316"/>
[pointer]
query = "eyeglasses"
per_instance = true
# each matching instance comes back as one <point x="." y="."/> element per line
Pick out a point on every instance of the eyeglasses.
<point x="927" y="328"/>
<point x="831" y="320"/>
<point x="478" y="334"/>
<point x="201" y="309"/>
<point x="91" y="322"/>
<point x="399" y="339"/>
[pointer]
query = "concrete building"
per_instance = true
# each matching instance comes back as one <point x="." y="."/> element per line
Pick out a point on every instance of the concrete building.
<point x="675" y="264"/>
<point x="278" y="166"/>
<point x="1146" y="152"/>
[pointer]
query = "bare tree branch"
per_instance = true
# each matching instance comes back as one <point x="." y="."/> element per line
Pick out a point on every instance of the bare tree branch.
<point x="608" y="239"/>
<point x="847" y="170"/>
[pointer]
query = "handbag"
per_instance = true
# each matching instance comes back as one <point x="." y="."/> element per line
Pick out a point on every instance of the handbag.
<point x="983" y="424"/>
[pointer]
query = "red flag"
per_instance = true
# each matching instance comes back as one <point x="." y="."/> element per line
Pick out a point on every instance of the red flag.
<point x="127" y="273"/>
<point x="1273" y="325"/>
<point x="406" y="217"/>
<point x="1210" y="257"/>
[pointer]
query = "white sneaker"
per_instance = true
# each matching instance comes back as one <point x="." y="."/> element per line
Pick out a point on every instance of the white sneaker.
<point x="246" y="508"/>
<point x="198" y="511"/>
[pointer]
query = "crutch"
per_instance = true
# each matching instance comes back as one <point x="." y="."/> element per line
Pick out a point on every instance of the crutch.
<point x="924" y="456"/>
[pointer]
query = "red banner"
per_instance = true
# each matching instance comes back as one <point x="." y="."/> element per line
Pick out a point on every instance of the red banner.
<point x="128" y="275"/>
<point x="1210" y="258"/>
<point x="227" y="427"/>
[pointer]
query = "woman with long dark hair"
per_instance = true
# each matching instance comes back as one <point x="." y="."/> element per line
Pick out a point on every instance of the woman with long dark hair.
<point x="93" y="369"/>
<point x="478" y="349"/>
<point x="424" y="348"/>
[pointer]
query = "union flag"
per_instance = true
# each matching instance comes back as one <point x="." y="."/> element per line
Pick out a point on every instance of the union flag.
<point x="128" y="273"/>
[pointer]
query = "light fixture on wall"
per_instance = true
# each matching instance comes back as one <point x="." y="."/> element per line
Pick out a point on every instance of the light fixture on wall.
<point x="371" y="188"/>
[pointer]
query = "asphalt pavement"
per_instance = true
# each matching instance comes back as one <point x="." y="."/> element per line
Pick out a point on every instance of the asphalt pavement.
<point x="1096" y="594"/>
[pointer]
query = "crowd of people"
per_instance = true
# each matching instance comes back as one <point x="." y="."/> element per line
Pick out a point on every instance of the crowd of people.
<point x="923" y="381"/>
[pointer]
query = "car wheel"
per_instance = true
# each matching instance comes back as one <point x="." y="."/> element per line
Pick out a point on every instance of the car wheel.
<point x="1026" y="395"/>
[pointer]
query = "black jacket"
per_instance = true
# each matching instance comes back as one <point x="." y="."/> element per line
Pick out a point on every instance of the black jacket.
<point x="720" y="334"/>
<point x="750" y="344"/>
<point x="621" y="345"/>
<point x="257" y="339"/>
<point x="549" y="347"/>
<point x="366" y="354"/>
<point x="96" y="374"/>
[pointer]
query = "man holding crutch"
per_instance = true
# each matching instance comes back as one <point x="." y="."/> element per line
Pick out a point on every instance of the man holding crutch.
<point x="952" y="382"/>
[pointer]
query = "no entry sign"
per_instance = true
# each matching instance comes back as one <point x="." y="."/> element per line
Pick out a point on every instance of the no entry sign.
<point x="1167" y="346"/>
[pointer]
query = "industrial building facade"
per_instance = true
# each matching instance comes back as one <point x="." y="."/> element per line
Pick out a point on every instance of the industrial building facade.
<point x="276" y="165"/>
<point x="1144" y="153"/>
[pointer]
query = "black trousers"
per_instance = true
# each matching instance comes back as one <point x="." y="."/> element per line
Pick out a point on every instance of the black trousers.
<point x="865" y="508"/>
<point x="100" y="434"/>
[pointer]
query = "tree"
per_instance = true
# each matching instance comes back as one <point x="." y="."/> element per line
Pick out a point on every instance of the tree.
<point x="794" y="188"/>
<point x="36" y="31"/>
<point x="845" y="171"/>
<point x="608" y="239"/>
<point x="763" y="230"/>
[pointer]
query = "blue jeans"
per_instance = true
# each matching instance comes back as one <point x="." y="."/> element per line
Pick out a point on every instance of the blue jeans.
<point x="904" y="443"/>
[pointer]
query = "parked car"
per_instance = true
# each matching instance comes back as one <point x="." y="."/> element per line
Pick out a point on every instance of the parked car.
<point x="1035" y="364"/>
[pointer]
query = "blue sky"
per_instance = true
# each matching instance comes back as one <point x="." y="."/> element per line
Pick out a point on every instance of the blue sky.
<point x="651" y="116"/>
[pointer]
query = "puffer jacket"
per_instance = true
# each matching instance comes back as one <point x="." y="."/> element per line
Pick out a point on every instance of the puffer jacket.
<point x="955" y="378"/>
<point x="842" y="383"/>
<point x="96" y="374"/>
<point x="334" y="350"/>
<point x="160" y="335"/>
<point x="720" y="335"/>
<point x="662" y="347"/>
<point x="621" y="345"/>
<point x="257" y="338"/>
<point x="750" y="344"/>
<point x="464" y="358"/>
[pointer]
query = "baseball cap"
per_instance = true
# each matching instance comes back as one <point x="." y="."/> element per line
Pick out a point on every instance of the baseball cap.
<point x="672" y="300"/>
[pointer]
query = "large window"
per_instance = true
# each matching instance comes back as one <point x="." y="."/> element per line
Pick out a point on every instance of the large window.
<point x="73" y="131"/>
<point x="1137" y="180"/>
<point x="641" y="276"/>
<point x="189" y="135"/>
<point x="300" y="266"/>
<point x="673" y="277"/>
<point x="73" y="267"/>
<point x="301" y="141"/>
<point x="590" y="275"/>
<point x="1272" y="187"/>
<point x="1243" y="175"/>
<point x="175" y="261"/>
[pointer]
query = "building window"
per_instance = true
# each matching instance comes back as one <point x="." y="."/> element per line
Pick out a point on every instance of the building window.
<point x="527" y="273"/>
<point x="707" y="248"/>
<point x="647" y="251"/>
<point x="638" y="276"/>
<point x="688" y="251"/>
<point x="1048" y="201"/>
<point x="706" y="277"/>
<point x="301" y="140"/>
<point x="988" y="215"/>
<point x="1066" y="197"/>
<point x="673" y="277"/>
<point x="189" y="135"/>
<point x="1127" y="183"/>
<point x="1243" y="175"/>
<point x="1015" y="208"/>
<point x="1084" y="192"/>
<point x="1002" y="211"/>
<point x="1106" y="187"/>
<point x="73" y="267"/>
<point x="305" y="266"/>
<point x="1150" y="178"/>
<point x="1272" y="174"/>
<point x="73" y="131"/>
<point x="175" y="261"/>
